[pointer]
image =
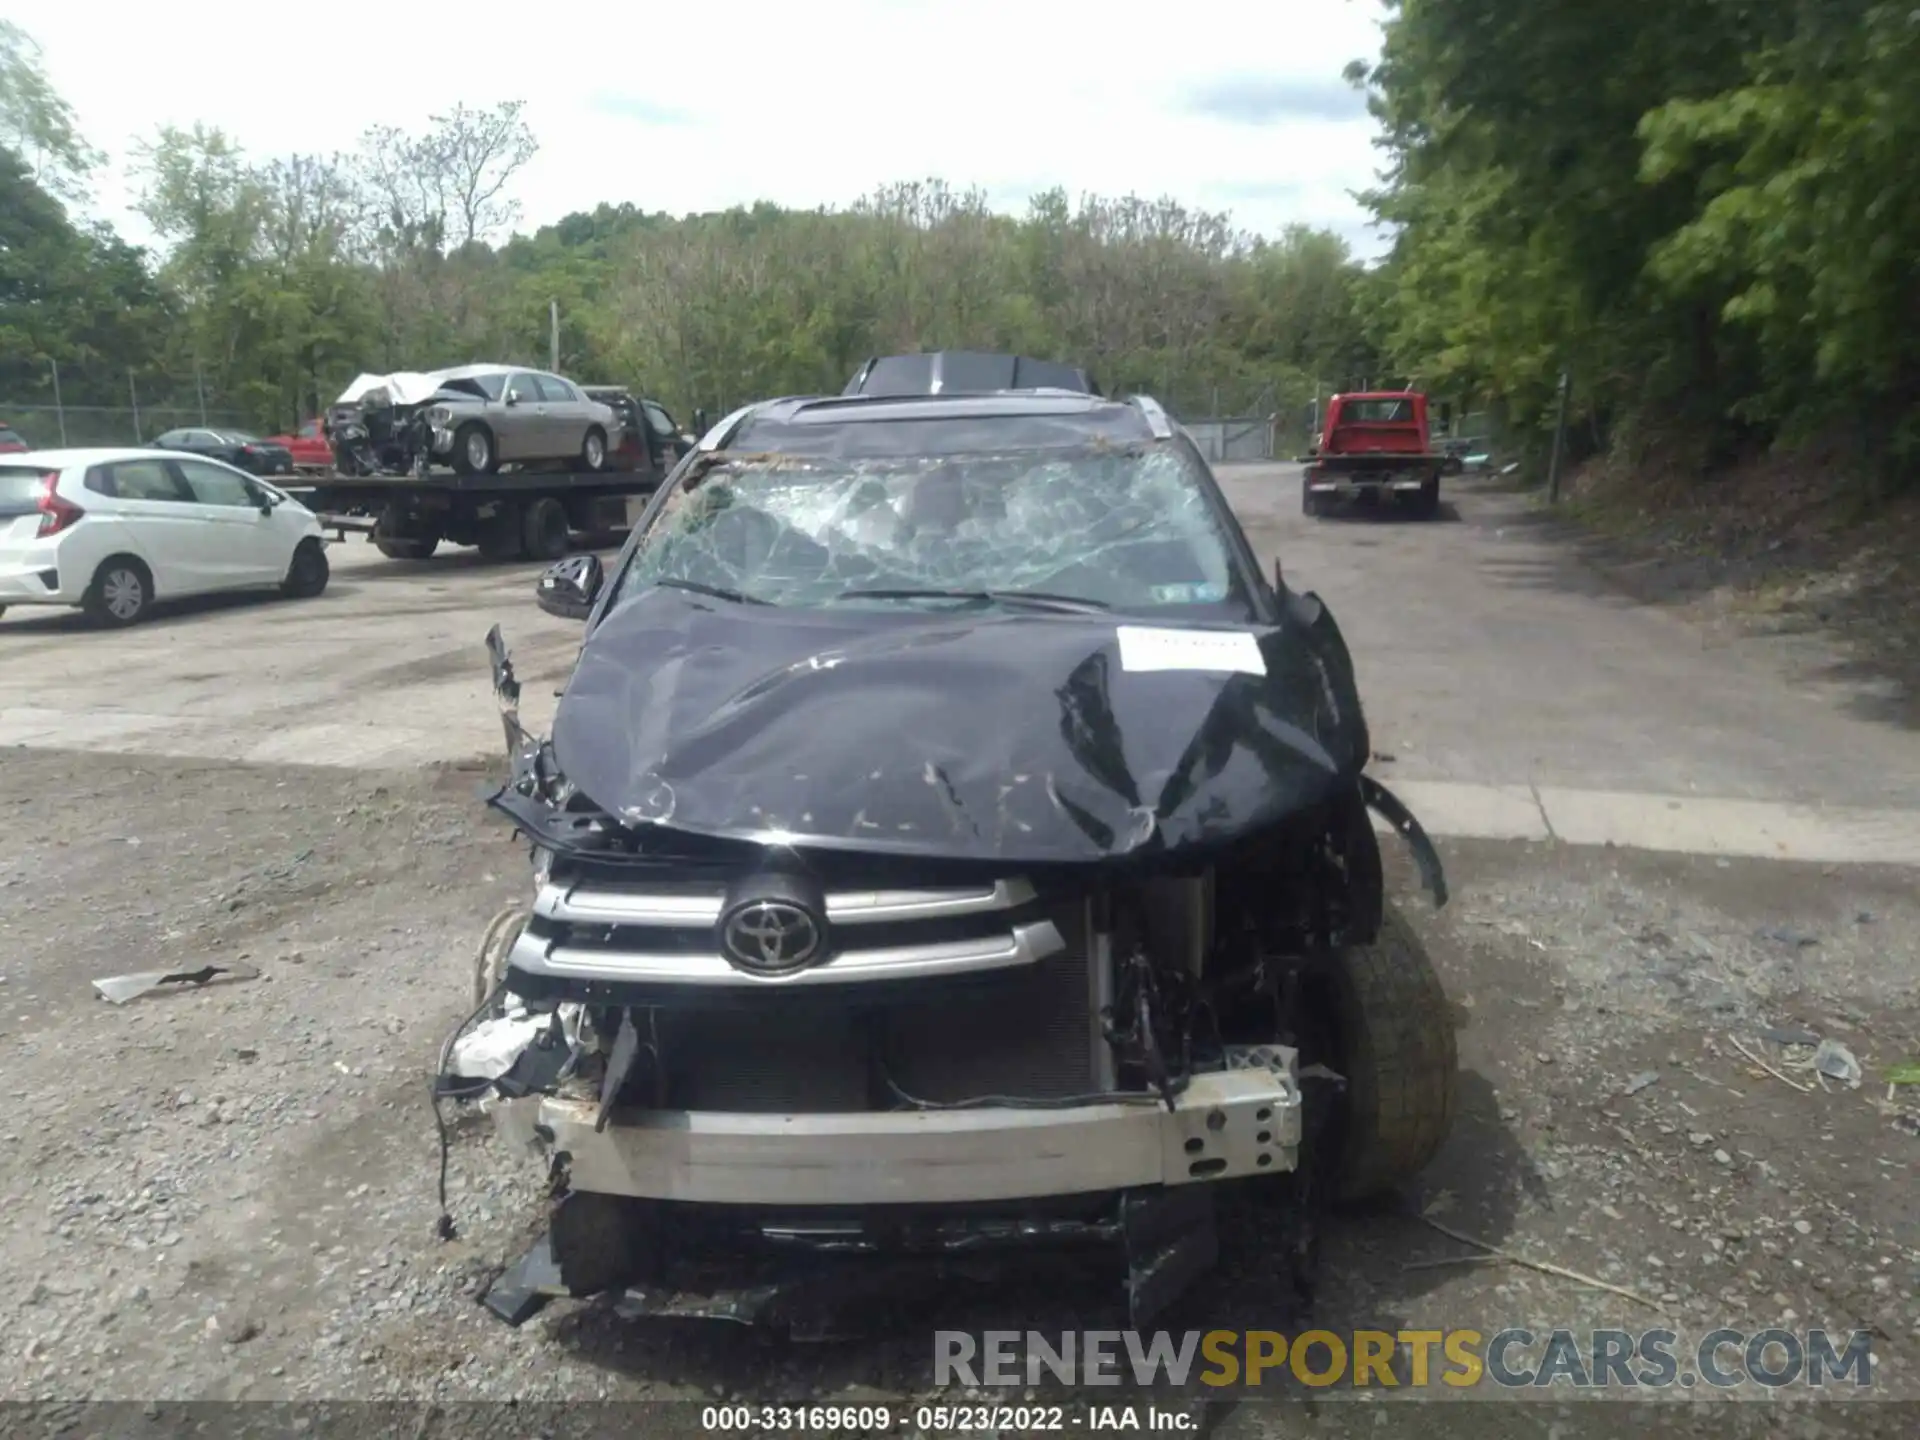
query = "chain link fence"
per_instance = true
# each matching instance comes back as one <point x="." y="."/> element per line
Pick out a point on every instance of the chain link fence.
<point x="46" y="426"/>
<point x="1257" y="419"/>
<point x="75" y="405"/>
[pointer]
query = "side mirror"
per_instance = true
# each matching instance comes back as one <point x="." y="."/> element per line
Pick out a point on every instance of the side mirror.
<point x="512" y="397"/>
<point x="569" y="587"/>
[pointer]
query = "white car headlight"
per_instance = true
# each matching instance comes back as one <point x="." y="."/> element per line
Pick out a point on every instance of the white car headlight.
<point x="440" y="416"/>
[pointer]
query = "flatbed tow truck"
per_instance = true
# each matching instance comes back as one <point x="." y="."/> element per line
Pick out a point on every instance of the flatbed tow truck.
<point x="513" y="513"/>
<point x="507" y="515"/>
<point x="1375" y="444"/>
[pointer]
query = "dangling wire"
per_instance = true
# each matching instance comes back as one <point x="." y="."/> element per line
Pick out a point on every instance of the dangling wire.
<point x="489" y="983"/>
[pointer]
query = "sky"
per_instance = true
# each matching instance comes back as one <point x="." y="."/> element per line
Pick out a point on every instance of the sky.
<point x="1233" y="105"/>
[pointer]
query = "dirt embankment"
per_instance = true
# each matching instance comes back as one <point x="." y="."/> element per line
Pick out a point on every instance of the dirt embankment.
<point x="1795" y="547"/>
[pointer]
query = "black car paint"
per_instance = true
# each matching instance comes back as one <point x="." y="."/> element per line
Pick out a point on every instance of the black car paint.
<point x="1002" y="736"/>
<point x="900" y="733"/>
<point x="256" y="457"/>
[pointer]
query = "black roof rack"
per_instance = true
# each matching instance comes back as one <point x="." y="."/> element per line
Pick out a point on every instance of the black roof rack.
<point x="965" y="372"/>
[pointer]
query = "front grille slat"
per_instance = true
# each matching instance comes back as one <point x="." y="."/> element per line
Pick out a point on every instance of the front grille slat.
<point x="587" y="924"/>
<point x="700" y="904"/>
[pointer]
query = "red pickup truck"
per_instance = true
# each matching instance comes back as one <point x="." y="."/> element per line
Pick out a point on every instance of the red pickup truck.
<point x="1374" y="443"/>
<point x="308" y="446"/>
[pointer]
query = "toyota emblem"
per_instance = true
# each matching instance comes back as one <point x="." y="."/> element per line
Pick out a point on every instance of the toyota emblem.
<point x="771" y="936"/>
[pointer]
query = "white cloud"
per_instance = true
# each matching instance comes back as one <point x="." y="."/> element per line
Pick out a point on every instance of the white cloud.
<point x="1226" y="104"/>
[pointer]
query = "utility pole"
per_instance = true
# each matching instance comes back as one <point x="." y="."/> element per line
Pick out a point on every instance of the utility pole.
<point x="553" y="336"/>
<point x="59" y="410"/>
<point x="134" y="399"/>
<point x="1559" y="441"/>
<point x="200" y="384"/>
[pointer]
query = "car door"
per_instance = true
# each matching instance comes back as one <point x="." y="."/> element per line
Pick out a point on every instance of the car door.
<point x="566" y="415"/>
<point x="286" y="526"/>
<point x="150" y="500"/>
<point x="662" y="437"/>
<point x="523" y="419"/>
<point x="242" y="544"/>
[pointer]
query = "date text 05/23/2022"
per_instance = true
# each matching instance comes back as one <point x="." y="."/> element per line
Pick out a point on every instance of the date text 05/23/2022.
<point x="932" y="1420"/>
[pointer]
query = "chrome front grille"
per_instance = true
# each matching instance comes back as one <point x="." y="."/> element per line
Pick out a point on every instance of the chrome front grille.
<point x="1021" y="1024"/>
<point x="660" y="932"/>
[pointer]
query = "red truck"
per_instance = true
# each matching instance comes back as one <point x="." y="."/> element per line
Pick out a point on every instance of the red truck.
<point x="1374" y="443"/>
<point x="308" y="446"/>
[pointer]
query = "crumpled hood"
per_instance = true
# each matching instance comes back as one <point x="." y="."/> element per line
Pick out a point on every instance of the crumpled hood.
<point x="985" y="735"/>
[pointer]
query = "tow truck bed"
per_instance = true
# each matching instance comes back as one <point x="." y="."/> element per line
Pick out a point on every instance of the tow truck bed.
<point x="509" y="514"/>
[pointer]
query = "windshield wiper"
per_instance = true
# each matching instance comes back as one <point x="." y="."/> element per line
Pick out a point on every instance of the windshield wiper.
<point x="1037" y="599"/>
<point x="718" y="592"/>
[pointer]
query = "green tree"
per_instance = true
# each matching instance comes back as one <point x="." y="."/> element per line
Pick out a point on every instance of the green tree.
<point x="36" y="124"/>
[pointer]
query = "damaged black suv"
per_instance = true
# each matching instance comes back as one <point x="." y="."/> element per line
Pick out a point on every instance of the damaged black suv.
<point x="948" y="835"/>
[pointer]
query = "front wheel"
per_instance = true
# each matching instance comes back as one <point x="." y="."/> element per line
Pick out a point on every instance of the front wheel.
<point x="1399" y="1056"/>
<point x="473" y="452"/>
<point x="399" y="536"/>
<point x="1309" y="502"/>
<point x="309" y="571"/>
<point x="545" y="529"/>
<point x="593" y="451"/>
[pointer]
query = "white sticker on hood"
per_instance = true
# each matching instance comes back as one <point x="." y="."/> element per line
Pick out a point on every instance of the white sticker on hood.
<point x="1145" y="647"/>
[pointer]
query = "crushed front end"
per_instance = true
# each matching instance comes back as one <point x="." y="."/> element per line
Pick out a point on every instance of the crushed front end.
<point x="782" y="1020"/>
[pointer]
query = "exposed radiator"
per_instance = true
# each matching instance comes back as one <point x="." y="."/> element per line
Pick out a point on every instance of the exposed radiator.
<point x="1027" y="1035"/>
<point x="1026" y="1032"/>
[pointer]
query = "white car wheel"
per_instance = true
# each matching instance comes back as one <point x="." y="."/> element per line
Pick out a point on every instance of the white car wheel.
<point x="120" y="593"/>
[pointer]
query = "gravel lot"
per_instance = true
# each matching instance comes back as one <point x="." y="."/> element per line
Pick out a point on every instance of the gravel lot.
<point x="229" y="1193"/>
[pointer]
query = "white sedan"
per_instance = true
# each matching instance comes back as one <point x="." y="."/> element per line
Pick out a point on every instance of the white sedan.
<point x="112" y="531"/>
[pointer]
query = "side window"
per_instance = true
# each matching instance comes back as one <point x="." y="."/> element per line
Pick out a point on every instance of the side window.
<point x="553" y="388"/>
<point x="658" y="419"/>
<point x="172" y="437"/>
<point x="212" y="485"/>
<point x="137" y="480"/>
<point x="311" y="431"/>
<point x="523" y="388"/>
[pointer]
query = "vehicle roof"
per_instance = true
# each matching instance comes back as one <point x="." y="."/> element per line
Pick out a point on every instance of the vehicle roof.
<point x="1378" y="394"/>
<point x="954" y="424"/>
<point x="474" y="372"/>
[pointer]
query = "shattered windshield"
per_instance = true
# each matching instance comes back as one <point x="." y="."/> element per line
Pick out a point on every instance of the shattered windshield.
<point x="1127" y="529"/>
